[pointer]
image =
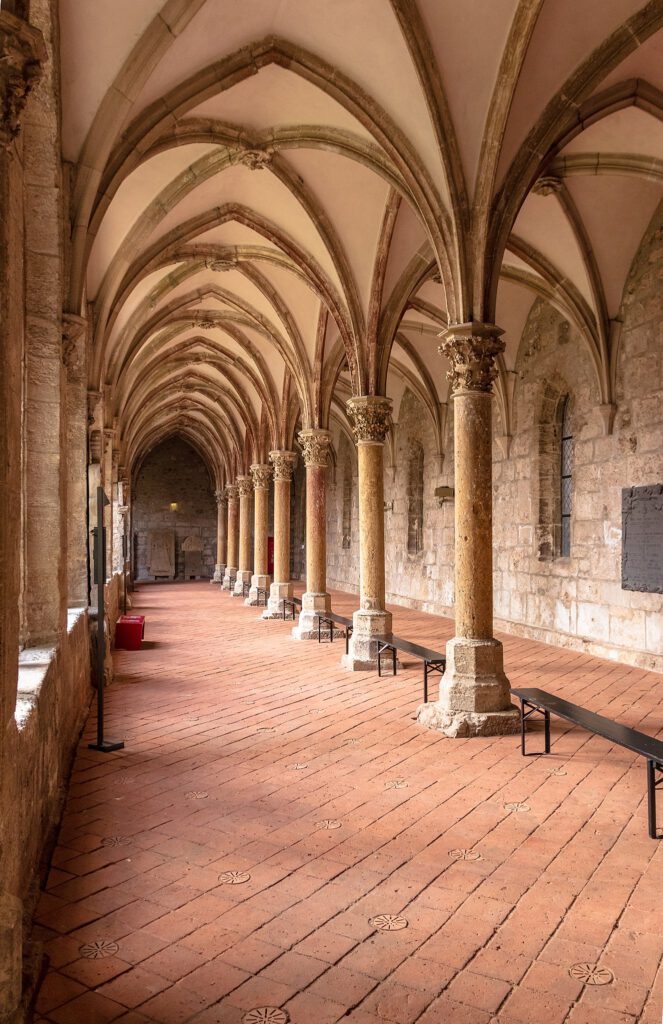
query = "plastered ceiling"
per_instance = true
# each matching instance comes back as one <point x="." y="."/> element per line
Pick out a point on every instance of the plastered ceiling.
<point x="279" y="203"/>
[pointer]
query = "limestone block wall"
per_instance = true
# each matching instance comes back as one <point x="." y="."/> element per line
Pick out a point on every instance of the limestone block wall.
<point x="574" y="601"/>
<point x="54" y="694"/>
<point x="174" y="472"/>
<point x="420" y="579"/>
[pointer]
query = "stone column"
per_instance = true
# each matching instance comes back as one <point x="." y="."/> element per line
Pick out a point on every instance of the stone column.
<point x="281" y="588"/>
<point x="260" y="579"/>
<point x="221" y="538"/>
<point x="232" y="493"/>
<point x="370" y="416"/>
<point x="244" y="486"/>
<point x="474" y="695"/>
<point x="315" y="446"/>
<point x="74" y="339"/>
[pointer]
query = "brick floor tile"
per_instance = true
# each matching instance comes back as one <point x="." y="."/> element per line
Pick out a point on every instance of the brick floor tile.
<point x="574" y="879"/>
<point x="56" y="990"/>
<point x="90" y="1007"/>
<point x="478" y="990"/>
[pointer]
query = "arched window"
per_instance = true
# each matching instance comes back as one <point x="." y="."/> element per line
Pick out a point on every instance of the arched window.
<point x="347" y="502"/>
<point x="415" y="499"/>
<point x="566" y="480"/>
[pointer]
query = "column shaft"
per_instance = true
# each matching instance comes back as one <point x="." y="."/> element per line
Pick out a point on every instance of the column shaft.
<point x="474" y="695"/>
<point x="315" y="445"/>
<point x="281" y="588"/>
<point x="245" y="487"/>
<point x="232" y="537"/>
<point x="370" y="416"/>
<point x="260" y="579"/>
<point x="221" y="538"/>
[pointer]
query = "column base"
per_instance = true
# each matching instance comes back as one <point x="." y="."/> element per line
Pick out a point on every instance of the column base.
<point x="257" y="583"/>
<point x="243" y="576"/>
<point x="227" y="577"/>
<point x="369" y="627"/>
<point x="475" y="696"/>
<point x="278" y="592"/>
<point x="219" y="573"/>
<point x="307" y="627"/>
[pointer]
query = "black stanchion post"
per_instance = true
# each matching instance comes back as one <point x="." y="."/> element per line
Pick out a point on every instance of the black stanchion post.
<point x="100" y="573"/>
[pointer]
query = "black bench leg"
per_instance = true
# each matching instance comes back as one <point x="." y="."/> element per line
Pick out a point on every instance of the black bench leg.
<point x="379" y="660"/>
<point x="393" y="661"/>
<point x="652" y="783"/>
<point x="547" y="730"/>
<point x="347" y="639"/>
<point x="522" y="728"/>
<point x="425" y="682"/>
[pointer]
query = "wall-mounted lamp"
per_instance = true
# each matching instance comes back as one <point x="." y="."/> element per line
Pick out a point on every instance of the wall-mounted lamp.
<point x="173" y="506"/>
<point x="389" y="506"/>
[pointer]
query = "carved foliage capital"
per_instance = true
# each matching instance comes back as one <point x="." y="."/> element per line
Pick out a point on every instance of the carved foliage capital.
<point x="244" y="486"/>
<point x="284" y="464"/>
<point x="261" y="476"/>
<point x="232" y="492"/>
<point x="370" y="417"/>
<point x="221" y="498"/>
<point x="315" y="446"/>
<point x="472" y="350"/>
<point x="22" y="53"/>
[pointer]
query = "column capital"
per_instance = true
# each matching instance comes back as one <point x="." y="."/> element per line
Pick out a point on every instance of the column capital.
<point x="232" y="492"/>
<point x="472" y="349"/>
<point x="22" y="53"/>
<point x="221" y="498"/>
<point x="244" y="486"/>
<point x="370" y="416"/>
<point x="315" y="446"/>
<point x="261" y="474"/>
<point x="284" y="464"/>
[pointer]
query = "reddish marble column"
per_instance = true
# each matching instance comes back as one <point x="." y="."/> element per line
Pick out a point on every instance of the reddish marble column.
<point x="315" y="448"/>
<point x="245" y="488"/>
<point x="281" y="588"/>
<point x="232" y="494"/>
<point x="221" y="536"/>
<point x="370" y="417"/>
<point x="260" y="580"/>
<point x="474" y="697"/>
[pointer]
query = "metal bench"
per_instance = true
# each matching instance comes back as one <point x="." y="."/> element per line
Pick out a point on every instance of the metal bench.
<point x="262" y="594"/>
<point x="290" y="604"/>
<point x="433" y="660"/>
<point x="533" y="701"/>
<point x="331" y="619"/>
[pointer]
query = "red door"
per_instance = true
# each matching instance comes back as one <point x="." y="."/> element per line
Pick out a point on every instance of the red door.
<point x="270" y="556"/>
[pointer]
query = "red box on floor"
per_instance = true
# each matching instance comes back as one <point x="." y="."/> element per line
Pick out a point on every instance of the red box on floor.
<point x="129" y="631"/>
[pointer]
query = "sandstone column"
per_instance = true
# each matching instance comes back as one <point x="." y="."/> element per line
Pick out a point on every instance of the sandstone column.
<point x="221" y="522"/>
<point x="315" y="446"/>
<point x="244" y="486"/>
<point x="281" y="588"/>
<point x="260" y="579"/>
<point x="370" y="416"/>
<point x="232" y="536"/>
<point x="74" y="345"/>
<point x="474" y="695"/>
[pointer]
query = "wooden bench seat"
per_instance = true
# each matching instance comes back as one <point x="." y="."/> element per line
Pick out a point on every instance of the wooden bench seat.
<point x="533" y="701"/>
<point x="433" y="660"/>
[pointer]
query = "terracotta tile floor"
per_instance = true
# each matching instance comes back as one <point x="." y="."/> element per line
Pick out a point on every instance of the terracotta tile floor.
<point x="269" y="806"/>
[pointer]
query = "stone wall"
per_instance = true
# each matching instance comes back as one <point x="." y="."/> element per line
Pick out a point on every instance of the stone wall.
<point x="174" y="472"/>
<point x="576" y="601"/>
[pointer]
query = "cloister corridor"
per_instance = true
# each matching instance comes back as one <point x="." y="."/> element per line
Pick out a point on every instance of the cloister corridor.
<point x="248" y="752"/>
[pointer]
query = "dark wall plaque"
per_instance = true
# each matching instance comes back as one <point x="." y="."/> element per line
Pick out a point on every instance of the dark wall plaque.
<point x="642" y="539"/>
